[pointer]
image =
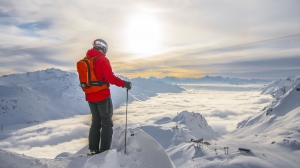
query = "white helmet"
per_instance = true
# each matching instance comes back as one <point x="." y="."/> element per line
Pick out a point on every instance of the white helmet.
<point x="100" y="44"/>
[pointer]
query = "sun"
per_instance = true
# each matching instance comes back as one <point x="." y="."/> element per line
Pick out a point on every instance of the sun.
<point x="143" y="34"/>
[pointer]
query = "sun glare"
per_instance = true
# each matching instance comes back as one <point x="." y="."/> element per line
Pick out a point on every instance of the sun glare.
<point x="143" y="36"/>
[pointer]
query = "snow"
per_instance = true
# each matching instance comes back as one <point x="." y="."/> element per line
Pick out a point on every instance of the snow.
<point x="272" y="134"/>
<point x="142" y="151"/>
<point x="244" y="161"/>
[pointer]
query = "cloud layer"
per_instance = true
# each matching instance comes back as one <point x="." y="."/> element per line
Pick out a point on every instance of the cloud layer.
<point x="222" y="105"/>
<point x="47" y="140"/>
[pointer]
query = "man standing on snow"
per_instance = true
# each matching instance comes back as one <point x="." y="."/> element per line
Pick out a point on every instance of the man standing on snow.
<point x="100" y="102"/>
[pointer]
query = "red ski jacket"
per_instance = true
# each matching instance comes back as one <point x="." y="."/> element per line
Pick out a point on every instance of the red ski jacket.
<point x="103" y="73"/>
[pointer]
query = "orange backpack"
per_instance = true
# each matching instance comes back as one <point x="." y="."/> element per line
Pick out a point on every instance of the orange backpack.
<point x="88" y="80"/>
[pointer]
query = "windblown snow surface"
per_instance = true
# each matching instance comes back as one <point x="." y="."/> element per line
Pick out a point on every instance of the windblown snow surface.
<point x="272" y="135"/>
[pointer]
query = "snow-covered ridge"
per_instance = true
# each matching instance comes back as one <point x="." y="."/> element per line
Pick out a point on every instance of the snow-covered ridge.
<point x="55" y="94"/>
<point x="279" y="121"/>
<point x="286" y="98"/>
<point x="284" y="92"/>
<point x="280" y="87"/>
<point x="33" y="76"/>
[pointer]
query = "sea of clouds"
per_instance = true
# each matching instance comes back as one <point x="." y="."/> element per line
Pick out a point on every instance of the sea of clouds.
<point x="223" y="106"/>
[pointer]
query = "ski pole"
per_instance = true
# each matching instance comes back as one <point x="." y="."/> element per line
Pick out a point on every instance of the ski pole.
<point x="126" y="119"/>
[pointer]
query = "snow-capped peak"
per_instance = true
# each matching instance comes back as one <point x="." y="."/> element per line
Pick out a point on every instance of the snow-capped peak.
<point x="180" y="129"/>
<point x="32" y="77"/>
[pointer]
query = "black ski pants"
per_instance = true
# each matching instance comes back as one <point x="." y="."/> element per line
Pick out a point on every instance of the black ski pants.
<point x="101" y="119"/>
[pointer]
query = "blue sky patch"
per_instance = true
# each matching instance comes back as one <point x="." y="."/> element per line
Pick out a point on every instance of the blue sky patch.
<point x="3" y="14"/>
<point x="33" y="26"/>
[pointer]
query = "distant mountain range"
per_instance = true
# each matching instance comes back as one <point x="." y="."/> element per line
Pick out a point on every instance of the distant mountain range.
<point x="210" y="79"/>
<point x="55" y="94"/>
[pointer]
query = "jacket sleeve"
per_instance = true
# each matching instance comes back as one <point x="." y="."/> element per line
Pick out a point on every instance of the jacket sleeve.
<point x="108" y="74"/>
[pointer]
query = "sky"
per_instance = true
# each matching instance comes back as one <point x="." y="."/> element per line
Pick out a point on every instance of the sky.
<point x="182" y="38"/>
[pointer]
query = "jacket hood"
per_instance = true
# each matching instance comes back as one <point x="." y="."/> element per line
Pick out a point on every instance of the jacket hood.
<point x="93" y="52"/>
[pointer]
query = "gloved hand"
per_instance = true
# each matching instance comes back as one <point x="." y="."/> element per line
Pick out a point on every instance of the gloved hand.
<point x="127" y="85"/>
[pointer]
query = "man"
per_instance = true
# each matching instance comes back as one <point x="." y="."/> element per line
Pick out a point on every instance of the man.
<point x="100" y="102"/>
